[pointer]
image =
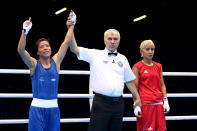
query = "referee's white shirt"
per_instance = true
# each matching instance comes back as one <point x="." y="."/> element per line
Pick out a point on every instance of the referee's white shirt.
<point x="107" y="73"/>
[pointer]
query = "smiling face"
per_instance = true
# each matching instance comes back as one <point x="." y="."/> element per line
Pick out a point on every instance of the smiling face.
<point x="44" y="49"/>
<point x="112" y="39"/>
<point x="147" y="49"/>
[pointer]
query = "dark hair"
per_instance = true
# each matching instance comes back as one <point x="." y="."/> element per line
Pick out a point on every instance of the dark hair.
<point x="38" y="42"/>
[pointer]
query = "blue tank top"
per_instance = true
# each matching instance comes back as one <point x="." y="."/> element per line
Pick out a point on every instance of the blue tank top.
<point x="45" y="81"/>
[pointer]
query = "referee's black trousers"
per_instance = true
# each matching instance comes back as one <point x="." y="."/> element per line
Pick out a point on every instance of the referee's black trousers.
<point x="106" y="113"/>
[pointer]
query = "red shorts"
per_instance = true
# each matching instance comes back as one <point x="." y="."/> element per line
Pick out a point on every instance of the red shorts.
<point x="153" y="118"/>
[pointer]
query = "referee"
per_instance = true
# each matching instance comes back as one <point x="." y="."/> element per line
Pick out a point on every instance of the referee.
<point x="109" y="70"/>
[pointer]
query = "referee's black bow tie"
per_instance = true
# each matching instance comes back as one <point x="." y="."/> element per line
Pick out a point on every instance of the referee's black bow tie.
<point x="111" y="53"/>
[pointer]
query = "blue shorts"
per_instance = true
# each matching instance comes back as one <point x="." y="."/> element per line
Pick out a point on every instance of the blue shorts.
<point x="44" y="119"/>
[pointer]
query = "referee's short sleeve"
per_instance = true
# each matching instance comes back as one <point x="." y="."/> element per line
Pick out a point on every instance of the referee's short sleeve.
<point x="84" y="54"/>
<point x="128" y="73"/>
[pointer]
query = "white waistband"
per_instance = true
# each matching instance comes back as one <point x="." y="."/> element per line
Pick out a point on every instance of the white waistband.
<point x="44" y="103"/>
<point x="158" y="103"/>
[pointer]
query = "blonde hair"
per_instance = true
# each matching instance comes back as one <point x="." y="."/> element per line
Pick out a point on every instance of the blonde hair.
<point x="112" y="31"/>
<point x="144" y="43"/>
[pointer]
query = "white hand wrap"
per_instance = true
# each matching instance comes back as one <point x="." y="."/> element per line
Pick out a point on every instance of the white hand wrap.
<point x="137" y="110"/>
<point x="165" y="104"/>
<point x="74" y="17"/>
<point x="26" y="27"/>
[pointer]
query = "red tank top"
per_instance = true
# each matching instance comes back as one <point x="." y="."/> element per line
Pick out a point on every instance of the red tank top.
<point x="149" y="85"/>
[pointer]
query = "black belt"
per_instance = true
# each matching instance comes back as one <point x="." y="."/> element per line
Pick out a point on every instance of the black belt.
<point x="108" y="97"/>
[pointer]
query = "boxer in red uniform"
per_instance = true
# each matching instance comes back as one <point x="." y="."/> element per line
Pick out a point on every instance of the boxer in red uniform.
<point x="152" y="90"/>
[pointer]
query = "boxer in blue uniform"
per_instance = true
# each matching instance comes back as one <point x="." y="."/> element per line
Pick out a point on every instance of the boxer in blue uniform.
<point x="44" y="114"/>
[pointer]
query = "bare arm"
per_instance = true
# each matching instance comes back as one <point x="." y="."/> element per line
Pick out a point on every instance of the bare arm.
<point x="73" y="46"/>
<point x="165" y="100"/>
<point x="28" y="60"/>
<point x="163" y="86"/>
<point x="136" y="81"/>
<point x="131" y="86"/>
<point x="71" y="22"/>
<point x="59" y="56"/>
<point x="137" y="101"/>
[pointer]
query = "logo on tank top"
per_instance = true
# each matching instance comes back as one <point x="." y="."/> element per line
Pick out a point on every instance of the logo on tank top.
<point x="41" y="79"/>
<point x="150" y="128"/>
<point x="145" y="71"/>
<point x="53" y="79"/>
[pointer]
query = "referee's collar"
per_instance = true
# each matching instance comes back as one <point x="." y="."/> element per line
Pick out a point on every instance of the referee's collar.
<point x="108" y="51"/>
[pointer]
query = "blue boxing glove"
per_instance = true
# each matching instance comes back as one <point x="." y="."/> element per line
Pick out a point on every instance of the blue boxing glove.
<point x="27" y="26"/>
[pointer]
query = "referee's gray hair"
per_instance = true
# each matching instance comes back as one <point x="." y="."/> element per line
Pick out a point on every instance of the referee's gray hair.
<point x="112" y="31"/>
